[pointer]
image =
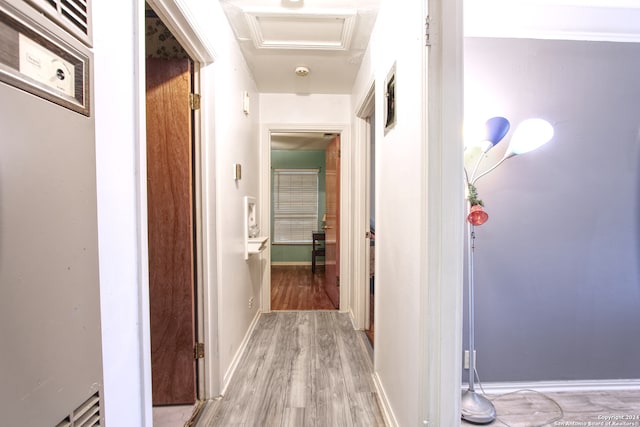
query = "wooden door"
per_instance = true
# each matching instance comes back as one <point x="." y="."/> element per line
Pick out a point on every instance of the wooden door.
<point x="170" y="213"/>
<point x="332" y="228"/>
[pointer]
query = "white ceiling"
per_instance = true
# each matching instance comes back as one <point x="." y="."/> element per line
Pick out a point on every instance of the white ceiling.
<point x="595" y="20"/>
<point x="327" y="36"/>
<point x="330" y="37"/>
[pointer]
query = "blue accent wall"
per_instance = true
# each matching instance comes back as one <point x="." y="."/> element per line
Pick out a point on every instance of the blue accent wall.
<point x="298" y="159"/>
<point x="558" y="263"/>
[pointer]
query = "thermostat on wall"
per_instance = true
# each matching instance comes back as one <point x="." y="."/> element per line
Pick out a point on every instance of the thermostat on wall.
<point x="46" y="67"/>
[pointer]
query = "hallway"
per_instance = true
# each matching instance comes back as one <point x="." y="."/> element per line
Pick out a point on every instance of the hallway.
<point x="300" y="369"/>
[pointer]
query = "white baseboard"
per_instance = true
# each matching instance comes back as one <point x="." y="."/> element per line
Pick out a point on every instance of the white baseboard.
<point x="558" y="386"/>
<point x="389" y="417"/>
<point x="238" y="356"/>
<point x="352" y="317"/>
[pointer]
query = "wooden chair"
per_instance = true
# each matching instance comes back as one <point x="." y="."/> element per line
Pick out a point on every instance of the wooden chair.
<point x="317" y="249"/>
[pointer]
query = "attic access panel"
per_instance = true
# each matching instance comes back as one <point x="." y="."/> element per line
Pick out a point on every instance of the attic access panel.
<point x="37" y="61"/>
<point x="306" y="31"/>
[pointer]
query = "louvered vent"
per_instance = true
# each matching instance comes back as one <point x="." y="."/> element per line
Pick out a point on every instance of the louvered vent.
<point x="73" y="15"/>
<point x="86" y="415"/>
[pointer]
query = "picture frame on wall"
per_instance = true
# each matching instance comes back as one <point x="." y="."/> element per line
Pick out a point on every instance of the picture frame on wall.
<point x="390" y="100"/>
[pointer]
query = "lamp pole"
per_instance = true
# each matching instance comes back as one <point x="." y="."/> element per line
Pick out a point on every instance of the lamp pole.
<point x="475" y="407"/>
<point x="471" y="237"/>
<point x="531" y="134"/>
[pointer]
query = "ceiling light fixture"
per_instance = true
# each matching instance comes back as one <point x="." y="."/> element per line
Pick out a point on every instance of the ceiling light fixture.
<point x="292" y="3"/>
<point x="302" y="71"/>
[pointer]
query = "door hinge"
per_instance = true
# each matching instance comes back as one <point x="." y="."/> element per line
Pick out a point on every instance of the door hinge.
<point x="427" y="31"/>
<point x="194" y="101"/>
<point x="198" y="350"/>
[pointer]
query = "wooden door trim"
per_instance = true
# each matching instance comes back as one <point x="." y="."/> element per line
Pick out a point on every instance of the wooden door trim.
<point x="346" y="210"/>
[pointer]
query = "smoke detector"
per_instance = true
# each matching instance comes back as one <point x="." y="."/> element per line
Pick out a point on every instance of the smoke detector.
<point x="302" y="71"/>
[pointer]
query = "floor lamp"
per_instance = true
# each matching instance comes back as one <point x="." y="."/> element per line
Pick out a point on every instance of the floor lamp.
<point x="529" y="135"/>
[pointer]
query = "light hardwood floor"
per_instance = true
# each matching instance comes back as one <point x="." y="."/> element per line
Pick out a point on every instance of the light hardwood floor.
<point x="305" y="368"/>
<point x="528" y="408"/>
<point x="310" y="368"/>
<point x="297" y="288"/>
<point x="524" y="409"/>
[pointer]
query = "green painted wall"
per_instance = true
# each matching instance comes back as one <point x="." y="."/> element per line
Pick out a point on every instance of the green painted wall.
<point x="298" y="159"/>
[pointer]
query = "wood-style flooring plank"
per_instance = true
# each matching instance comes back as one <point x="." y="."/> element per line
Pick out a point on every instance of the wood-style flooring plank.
<point x="298" y="370"/>
<point x="529" y="408"/>
<point x="302" y="368"/>
<point x="270" y="408"/>
<point x="297" y="288"/>
<point x="250" y="372"/>
<point x="329" y="382"/>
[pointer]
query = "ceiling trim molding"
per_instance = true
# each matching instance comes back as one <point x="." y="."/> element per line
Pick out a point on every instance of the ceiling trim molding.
<point x="340" y="40"/>
<point x="560" y="21"/>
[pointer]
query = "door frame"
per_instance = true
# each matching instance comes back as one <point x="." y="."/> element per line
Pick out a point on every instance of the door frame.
<point x="366" y="108"/>
<point x="442" y="233"/>
<point x="346" y="210"/>
<point x="178" y="21"/>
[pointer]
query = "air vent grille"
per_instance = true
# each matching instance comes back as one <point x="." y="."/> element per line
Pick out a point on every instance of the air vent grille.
<point x="73" y="15"/>
<point x="86" y="415"/>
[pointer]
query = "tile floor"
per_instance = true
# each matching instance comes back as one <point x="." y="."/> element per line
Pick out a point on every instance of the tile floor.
<point x="171" y="416"/>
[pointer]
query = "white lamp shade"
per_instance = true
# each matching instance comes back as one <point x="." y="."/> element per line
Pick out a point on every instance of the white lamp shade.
<point x="530" y="134"/>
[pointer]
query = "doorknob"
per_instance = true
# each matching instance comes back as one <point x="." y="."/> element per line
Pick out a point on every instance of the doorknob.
<point x="367" y="234"/>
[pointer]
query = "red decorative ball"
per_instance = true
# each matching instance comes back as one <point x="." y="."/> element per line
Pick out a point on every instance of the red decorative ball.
<point x="477" y="216"/>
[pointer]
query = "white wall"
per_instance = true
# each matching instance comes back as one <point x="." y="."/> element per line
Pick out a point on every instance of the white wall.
<point x="126" y="361"/>
<point x="398" y="208"/>
<point x="399" y="214"/>
<point x="233" y="139"/>
<point x="417" y="273"/>
<point x="315" y="112"/>
<point x="228" y="137"/>
<point x="289" y="108"/>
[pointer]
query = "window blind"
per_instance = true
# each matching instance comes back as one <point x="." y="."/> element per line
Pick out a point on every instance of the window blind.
<point x="295" y="205"/>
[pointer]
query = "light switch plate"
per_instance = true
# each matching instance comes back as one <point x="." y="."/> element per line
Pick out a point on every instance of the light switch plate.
<point x="245" y="102"/>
